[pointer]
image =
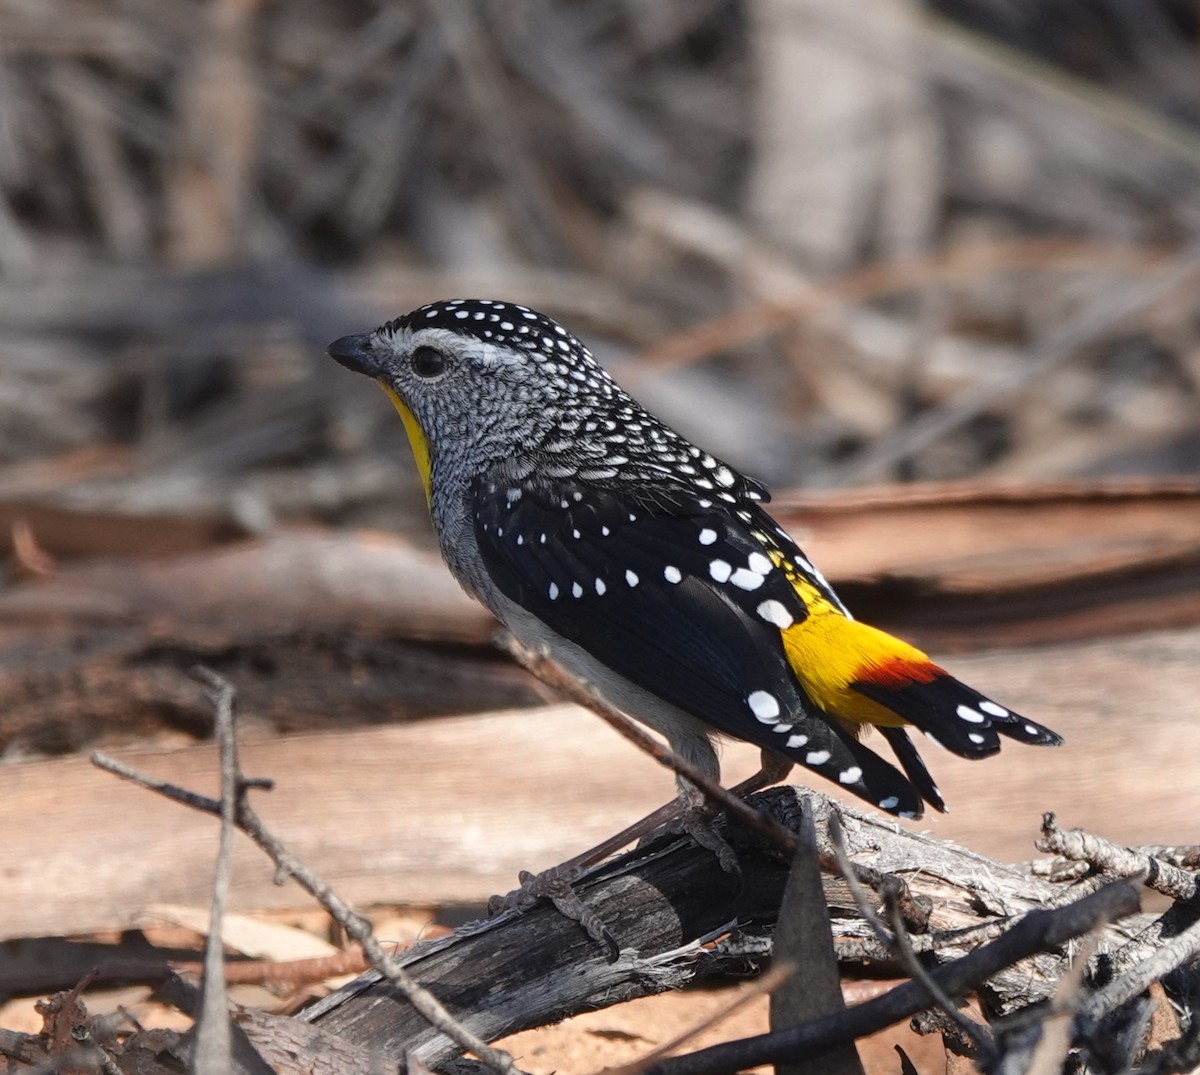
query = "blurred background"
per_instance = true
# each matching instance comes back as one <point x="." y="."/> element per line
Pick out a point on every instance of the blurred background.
<point x="928" y="269"/>
<point x="839" y="244"/>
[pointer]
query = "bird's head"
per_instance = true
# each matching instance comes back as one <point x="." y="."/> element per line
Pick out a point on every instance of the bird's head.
<point x="492" y="378"/>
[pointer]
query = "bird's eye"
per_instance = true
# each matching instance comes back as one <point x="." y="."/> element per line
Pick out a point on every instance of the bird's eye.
<point x="428" y="362"/>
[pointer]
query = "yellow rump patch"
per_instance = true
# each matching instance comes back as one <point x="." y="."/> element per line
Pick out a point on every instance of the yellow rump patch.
<point x="416" y="440"/>
<point x="828" y="652"/>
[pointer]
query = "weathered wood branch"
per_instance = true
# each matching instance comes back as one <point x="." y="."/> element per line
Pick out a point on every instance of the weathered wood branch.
<point x="663" y="905"/>
<point x="1038" y="931"/>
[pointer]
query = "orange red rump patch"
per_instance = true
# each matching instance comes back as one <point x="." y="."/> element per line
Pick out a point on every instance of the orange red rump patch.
<point x="897" y="672"/>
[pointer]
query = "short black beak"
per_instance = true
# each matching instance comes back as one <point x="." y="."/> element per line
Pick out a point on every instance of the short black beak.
<point x="355" y="353"/>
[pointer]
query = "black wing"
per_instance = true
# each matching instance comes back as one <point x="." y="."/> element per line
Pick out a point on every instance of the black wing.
<point x="676" y="596"/>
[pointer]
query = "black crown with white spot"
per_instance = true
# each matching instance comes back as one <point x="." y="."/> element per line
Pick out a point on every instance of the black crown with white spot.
<point x="503" y="323"/>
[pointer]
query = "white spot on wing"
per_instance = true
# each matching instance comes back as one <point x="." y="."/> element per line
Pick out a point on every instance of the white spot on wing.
<point x="576" y="589"/>
<point x="631" y="578"/>
<point x="720" y="570"/>
<point x="553" y="591"/>
<point x="969" y="714"/>
<point x="995" y="710"/>
<point x="759" y="563"/>
<point x="707" y="536"/>
<point x="773" y="612"/>
<point x="764" y="706"/>
<point x="850" y="776"/>
<point x="795" y="741"/>
<point x="747" y="580"/>
<point x="672" y="574"/>
<point x="816" y="757"/>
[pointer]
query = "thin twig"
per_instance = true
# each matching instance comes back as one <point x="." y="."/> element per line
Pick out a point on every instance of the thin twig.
<point x="1102" y="854"/>
<point x="984" y="1045"/>
<point x="1037" y="932"/>
<point x="214" y="1043"/>
<point x="1109" y="310"/>
<point x="1174" y="953"/>
<point x="899" y="942"/>
<point x="1052" y="1048"/>
<point x="553" y="674"/>
<point x="357" y="927"/>
<point x="837" y="841"/>
<point x="764" y="983"/>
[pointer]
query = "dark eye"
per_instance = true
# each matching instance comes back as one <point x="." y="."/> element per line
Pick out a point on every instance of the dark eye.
<point x="428" y="362"/>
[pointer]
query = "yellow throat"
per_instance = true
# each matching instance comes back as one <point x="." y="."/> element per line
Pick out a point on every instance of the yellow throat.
<point x="416" y="440"/>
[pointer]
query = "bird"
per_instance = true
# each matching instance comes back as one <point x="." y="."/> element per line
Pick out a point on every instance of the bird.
<point x="650" y="568"/>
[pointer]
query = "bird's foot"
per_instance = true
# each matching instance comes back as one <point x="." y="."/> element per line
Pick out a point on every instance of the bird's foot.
<point x="554" y="885"/>
<point x="700" y="826"/>
<point x="700" y="823"/>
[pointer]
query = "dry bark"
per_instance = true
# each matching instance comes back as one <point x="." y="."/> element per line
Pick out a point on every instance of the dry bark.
<point x="662" y="905"/>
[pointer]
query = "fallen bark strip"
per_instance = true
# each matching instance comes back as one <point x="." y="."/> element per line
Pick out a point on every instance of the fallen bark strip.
<point x="662" y="904"/>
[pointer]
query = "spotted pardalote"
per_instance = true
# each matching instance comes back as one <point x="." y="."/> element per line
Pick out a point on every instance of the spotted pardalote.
<point x="648" y="566"/>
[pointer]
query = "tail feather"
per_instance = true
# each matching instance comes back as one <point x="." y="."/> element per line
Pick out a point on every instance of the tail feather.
<point x="1024" y="730"/>
<point x="956" y="716"/>
<point x="860" y="675"/>
<point x="823" y="747"/>
<point x="914" y="766"/>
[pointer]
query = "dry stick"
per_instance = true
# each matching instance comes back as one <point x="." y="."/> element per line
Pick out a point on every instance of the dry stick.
<point x="1050" y="1053"/>
<point x="550" y="672"/>
<point x="901" y="944"/>
<point x="569" y="869"/>
<point x="908" y="959"/>
<point x="290" y="972"/>
<point x="765" y="983"/>
<point x="846" y="869"/>
<point x="82" y="1057"/>
<point x="803" y="936"/>
<point x="357" y="927"/>
<point x="1038" y="931"/>
<point x="1173" y="922"/>
<point x="214" y="1042"/>
<point x="814" y="299"/>
<point x="1186" y="856"/>
<point x="1096" y="851"/>
<point x="1173" y="954"/>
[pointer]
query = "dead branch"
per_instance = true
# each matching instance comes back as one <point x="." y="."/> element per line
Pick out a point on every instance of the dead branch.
<point x="1039" y="931"/>
<point x="1107" y="857"/>
<point x="662" y="903"/>
<point x="288" y="865"/>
